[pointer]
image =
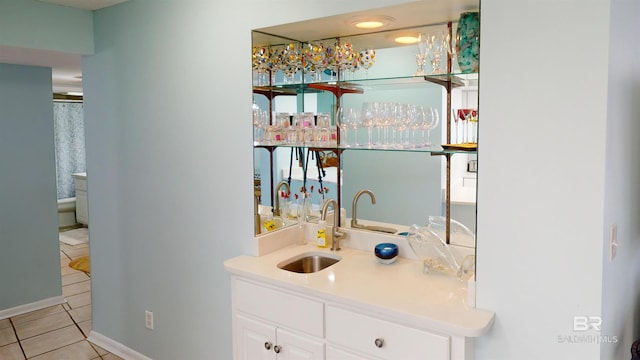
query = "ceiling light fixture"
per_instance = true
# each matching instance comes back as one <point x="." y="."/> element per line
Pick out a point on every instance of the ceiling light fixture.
<point x="407" y="39"/>
<point x="372" y="21"/>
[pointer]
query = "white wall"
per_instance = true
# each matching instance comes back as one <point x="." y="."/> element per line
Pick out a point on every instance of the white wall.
<point x="169" y="160"/>
<point x="541" y="195"/>
<point x="621" y="285"/>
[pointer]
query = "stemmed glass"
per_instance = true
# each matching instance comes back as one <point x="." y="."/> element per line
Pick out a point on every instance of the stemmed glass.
<point x="436" y="46"/>
<point x="261" y="63"/>
<point x="343" y="119"/>
<point x="366" y="59"/>
<point x="403" y="120"/>
<point x="368" y="117"/>
<point x="291" y="61"/>
<point x="317" y="57"/>
<point x="432" y="119"/>
<point x="462" y="116"/>
<point x="421" y="56"/>
<point x="353" y="121"/>
<point x="416" y="123"/>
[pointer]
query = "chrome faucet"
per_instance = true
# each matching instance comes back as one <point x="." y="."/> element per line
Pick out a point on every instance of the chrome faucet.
<point x="354" y="207"/>
<point x="354" y="216"/>
<point x="276" y="210"/>
<point x="336" y="234"/>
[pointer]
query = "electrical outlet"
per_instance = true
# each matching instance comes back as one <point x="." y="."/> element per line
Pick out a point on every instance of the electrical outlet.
<point x="148" y="319"/>
<point x="472" y="166"/>
<point x="613" y="241"/>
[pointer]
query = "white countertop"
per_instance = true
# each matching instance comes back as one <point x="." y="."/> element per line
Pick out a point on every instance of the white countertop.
<point x="399" y="291"/>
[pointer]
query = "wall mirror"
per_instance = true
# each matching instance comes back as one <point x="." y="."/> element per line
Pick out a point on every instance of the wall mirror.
<point x="323" y="73"/>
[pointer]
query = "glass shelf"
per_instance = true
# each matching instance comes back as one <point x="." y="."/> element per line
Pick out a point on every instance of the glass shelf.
<point x="359" y="86"/>
<point x="435" y="149"/>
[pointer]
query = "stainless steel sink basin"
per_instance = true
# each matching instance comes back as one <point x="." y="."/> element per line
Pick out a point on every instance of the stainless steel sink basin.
<point x="309" y="262"/>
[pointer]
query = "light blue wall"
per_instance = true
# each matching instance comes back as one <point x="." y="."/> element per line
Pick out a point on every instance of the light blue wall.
<point x="169" y="158"/>
<point x="36" y="25"/>
<point x="167" y="99"/>
<point x="30" y="255"/>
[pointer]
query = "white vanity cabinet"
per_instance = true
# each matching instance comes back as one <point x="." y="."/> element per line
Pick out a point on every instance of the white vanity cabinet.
<point x="82" y="209"/>
<point x="272" y="324"/>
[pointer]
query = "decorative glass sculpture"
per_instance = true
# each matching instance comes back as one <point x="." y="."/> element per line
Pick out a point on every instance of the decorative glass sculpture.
<point x="468" y="42"/>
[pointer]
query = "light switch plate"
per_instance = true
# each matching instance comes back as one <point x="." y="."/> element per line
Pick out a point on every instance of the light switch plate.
<point x="613" y="241"/>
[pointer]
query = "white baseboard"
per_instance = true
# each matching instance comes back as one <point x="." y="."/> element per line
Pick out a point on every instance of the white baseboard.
<point x="115" y="347"/>
<point x="23" y="309"/>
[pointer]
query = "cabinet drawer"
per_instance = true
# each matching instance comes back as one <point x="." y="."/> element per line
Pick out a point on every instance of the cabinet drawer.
<point x="285" y="309"/>
<point x="359" y="332"/>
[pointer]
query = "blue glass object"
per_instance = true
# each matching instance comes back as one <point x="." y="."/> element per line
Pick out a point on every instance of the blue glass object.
<point x="468" y="42"/>
<point x="386" y="251"/>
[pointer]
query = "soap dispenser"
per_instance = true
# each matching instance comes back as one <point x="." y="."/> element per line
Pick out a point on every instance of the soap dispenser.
<point x="321" y="235"/>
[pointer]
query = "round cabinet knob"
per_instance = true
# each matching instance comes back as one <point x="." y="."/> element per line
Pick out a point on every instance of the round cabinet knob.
<point x="277" y="349"/>
<point x="267" y="345"/>
<point x="379" y="342"/>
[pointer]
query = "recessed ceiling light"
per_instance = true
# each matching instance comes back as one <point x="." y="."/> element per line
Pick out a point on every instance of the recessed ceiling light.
<point x="372" y="21"/>
<point x="407" y="39"/>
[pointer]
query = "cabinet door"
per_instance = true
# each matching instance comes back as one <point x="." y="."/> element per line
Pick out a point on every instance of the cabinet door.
<point x="296" y="346"/>
<point x="253" y="340"/>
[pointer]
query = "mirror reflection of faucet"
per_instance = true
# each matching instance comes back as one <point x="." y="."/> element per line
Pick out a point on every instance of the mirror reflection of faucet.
<point x="354" y="216"/>
<point x="276" y="210"/>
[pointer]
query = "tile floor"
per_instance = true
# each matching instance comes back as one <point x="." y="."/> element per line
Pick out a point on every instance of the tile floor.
<point x="58" y="332"/>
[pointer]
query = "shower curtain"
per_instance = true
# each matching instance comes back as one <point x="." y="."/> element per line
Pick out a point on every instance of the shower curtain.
<point x="69" y="141"/>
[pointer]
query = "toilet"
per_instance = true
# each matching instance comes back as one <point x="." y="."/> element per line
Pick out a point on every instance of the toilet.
<point x="67" y="213"/>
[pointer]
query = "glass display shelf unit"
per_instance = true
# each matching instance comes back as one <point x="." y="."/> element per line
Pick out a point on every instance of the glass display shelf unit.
<point x="359" y="86"/>
<point x="435" y="149"/>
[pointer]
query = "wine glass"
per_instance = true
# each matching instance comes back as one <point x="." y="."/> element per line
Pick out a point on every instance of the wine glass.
<point x="421" y="56"/>
<point x="342" y="121"/>
<point x="403" y="119"/>
<point x="436" y="46"/>
<point x="353" y="122"/>
<point x="368" y="117"/>
<point x="316" y="56"/>
<point x="416" y="124"/>
<point x="432" y="119"/>
<point x="291" y="61"/>
<point x="366" y="59"/>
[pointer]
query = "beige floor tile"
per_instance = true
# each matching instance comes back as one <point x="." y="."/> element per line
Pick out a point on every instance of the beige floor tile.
<point x="53" y="340"/>
<point x="81" y="314"/>
<point x="74" y="253"/>
<point x="77" y="288"/>
<point x="7" y="336"/>
<point x="110" y="356"/>
<point x="43" y="325"/>
<point x="76" y="301"/>
<point x="100" y="350"/>
<point x="78" y="351"/>
<point x="86" y="327"/>
<point x="37" y="314"/>
<point x="74" y="278"/>
<point x="11" y="352"/>
<point x="5" y="323"/>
